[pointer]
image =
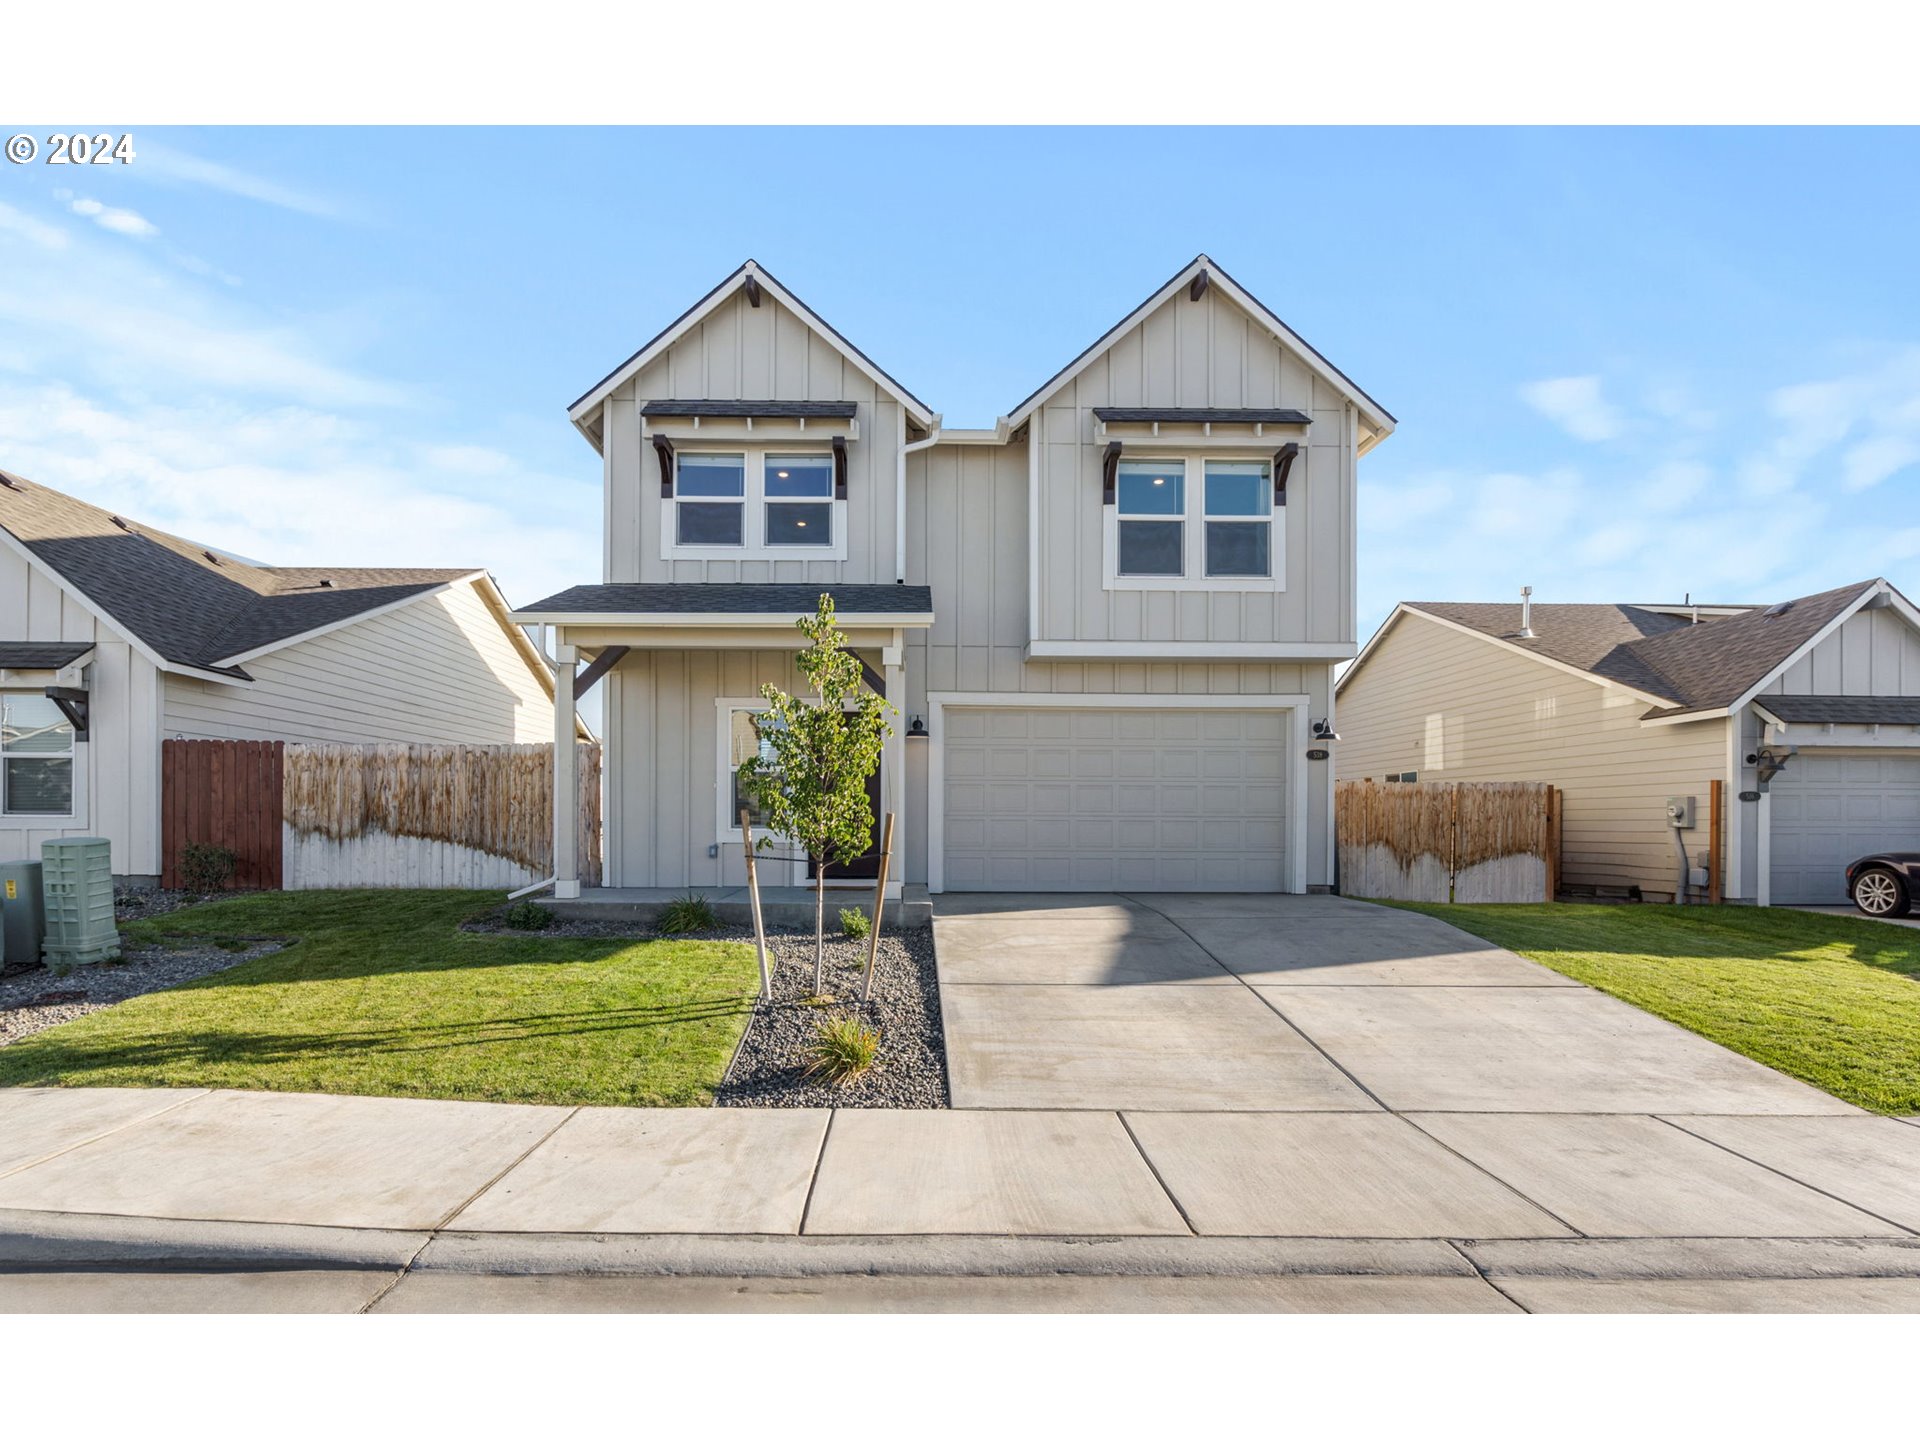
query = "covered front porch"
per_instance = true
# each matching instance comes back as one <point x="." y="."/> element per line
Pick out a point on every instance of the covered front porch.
<point x="682" y="665"/>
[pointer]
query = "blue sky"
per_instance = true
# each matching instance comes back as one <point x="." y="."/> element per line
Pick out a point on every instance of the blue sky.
<point x="1627" y="364"/>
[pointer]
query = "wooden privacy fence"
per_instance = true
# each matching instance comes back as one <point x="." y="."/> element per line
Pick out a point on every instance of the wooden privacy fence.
<point x="303" y="817"/>
<point x="1471" y="842"/>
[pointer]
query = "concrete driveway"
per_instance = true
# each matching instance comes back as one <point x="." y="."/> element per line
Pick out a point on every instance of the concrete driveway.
<point x="1300" y="1003"/>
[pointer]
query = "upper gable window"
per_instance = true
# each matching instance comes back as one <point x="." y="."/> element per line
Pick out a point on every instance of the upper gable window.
<point x="1193" y="523"/>
<point x="747" y="503"/>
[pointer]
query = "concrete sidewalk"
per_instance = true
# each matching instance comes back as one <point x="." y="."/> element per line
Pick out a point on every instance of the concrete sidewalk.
<point x="185" y="1183"/>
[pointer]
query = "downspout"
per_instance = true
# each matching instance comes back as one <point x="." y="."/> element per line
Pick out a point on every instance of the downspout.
<point x="900" y="493"/>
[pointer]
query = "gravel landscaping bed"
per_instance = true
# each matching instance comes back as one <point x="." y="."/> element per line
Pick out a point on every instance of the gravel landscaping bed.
<point x="37" y="999"/>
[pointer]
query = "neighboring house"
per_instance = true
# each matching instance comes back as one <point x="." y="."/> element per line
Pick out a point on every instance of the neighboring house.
<point x="1624" y="706"/>
<point x="146" y="636"/>
<point x="1111" y="619"/>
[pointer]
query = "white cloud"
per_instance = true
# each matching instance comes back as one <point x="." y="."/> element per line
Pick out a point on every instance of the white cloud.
<point x="1575" y="404"/>
<point x="164" y="162"/>
<point x="1871" y="461"/>
<point x="110" y="217"/>
<point x="34" y="231"/>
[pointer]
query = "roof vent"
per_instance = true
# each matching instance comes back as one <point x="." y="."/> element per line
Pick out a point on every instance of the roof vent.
<point x="11" y="483"/>
<point x="124" y="523"/>
<point x="211" y="558"/>
<point x="1776" y="610"/>
<point x="1526" y="612"/>
<point x="326" y="584"/>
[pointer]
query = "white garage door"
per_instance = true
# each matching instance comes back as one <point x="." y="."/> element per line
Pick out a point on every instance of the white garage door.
<point x="1115" y="799"/>
<point x="1832" y="809"/>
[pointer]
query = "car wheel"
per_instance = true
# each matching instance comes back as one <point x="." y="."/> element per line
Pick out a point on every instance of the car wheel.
<point x="1880" y="893"/>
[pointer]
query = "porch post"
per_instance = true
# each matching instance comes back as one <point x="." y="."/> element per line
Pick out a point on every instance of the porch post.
<point x="566" y="776"/>
<point x="893" y="761"/>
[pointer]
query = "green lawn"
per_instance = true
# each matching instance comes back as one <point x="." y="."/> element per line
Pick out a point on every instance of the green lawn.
<point x="1831" y="1000"/>
<point x="381" y="994"/>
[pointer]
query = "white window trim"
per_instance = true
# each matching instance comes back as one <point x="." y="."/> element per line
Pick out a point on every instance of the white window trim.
<point x="728" y="832"/>
<point x="753" y="527"/>
<point x="939" y="702"/>
<point x="1194" y="537"/>
<point x="77" y="812"/>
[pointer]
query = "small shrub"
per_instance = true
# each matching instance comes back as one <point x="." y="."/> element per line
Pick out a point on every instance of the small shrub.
<point x="854" y="924"/>
<point x="527" y="916"/>
<point x="842" y="1049"/>
<point x="687" y="913"/>
<point x="207" y="867"/>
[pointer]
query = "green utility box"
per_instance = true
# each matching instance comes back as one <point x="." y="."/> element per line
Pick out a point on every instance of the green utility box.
<point x="23" y="918"/>
<point x="76" y="877"/>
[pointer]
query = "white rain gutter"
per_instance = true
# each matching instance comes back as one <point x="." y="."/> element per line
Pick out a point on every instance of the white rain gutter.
<point x="900" y="492"/>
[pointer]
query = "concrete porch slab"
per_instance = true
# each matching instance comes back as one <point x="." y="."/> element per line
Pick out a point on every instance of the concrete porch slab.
<point x="1333" y="950"/>
<point x="1537" y="1048"/>
<point x="1868" y="1160"/>
<point x="35" y="1124"/>
<point x="779" y="904"/>
<point x="1633" y="1175"/>
<point x="1143" y="1047"/>
<point x="1116" y="946"/>
<point x="1339" y="1175"/>
<point x="731" y="1172"/>
<point x="973" y="1172"/>
<point x="295" y="1159"/>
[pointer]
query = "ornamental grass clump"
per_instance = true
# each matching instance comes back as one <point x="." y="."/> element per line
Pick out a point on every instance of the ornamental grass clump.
<point x="527" y="916"/>
<point x="811" y="779"/>
<point x="687" y="913"/>
<point x="842" y="1049"/>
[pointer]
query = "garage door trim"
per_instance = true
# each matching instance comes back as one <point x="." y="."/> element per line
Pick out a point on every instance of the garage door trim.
<point x="940" y="701"/>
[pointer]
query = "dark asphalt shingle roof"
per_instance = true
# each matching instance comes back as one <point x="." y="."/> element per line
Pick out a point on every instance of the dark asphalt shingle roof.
<point x="1844" y="709"/>
<point x="697" y="599"/>
<point x="1136" y="416"/>
<point x="39" y="657"/>
<point x="757" y="409"/>
<point x="190" y="606"/>
<point x="1693" y="667"/>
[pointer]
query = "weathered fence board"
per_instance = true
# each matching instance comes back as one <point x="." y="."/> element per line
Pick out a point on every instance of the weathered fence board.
<point x="405" y="816"/>
<point x="1471" y="843"/>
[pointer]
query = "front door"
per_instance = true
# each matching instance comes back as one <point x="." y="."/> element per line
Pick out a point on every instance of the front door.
<point x="867" y="867"/>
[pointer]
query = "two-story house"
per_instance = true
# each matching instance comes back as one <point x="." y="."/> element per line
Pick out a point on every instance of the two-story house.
<point x="1110" y="622"/>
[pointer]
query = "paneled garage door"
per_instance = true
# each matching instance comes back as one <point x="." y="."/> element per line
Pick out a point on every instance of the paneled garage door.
<point x="1832" y="809"/>
<point x="1115" y="799"/>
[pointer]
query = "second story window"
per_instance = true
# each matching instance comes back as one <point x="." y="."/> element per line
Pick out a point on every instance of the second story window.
<point x="1193" y="522"/>
<point x="799" y="499"/>
<point x="710" y="500"/>
<point x="753" y="502"/>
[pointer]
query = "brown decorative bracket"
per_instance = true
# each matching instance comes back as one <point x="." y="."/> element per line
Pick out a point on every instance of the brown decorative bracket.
<point x="1283" y="459"/>
<point x="663" y="447"/>
<point x="1199" y="286"/>
<point x="839" y="467"/>
<point x="752" y="287"/>
<point x="72" y="703"/>
<point x="603" y="662"/>
<point x="876" y="682"/>
<point x="1109" y="472"/>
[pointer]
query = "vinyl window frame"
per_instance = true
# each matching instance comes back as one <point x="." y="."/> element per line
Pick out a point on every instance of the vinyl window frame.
<point x="753" y="525"/>
<point x="76" y="781"/>
<point x="1193" y="576"/>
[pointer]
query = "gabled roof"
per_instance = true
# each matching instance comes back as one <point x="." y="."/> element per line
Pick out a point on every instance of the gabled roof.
<point x="1375" y="414"/>
<point x="1661" y="654"/>
<point x="187" y="605"/>
<point x="584" y="412"/>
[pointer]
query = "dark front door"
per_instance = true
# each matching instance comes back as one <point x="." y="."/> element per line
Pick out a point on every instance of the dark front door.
<point x="867" y="867"/>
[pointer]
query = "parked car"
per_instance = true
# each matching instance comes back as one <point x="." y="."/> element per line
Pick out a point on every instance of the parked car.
<point x="1883" y="885"/>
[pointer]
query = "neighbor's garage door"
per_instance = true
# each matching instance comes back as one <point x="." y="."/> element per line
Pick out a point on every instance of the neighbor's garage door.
<point x="1832" y="809"/>
<point x="1115" y="799"/>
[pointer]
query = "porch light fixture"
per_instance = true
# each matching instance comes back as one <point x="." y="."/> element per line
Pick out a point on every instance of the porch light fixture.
<point x="917" y="729"/>
<point x="1323" y="731"/>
